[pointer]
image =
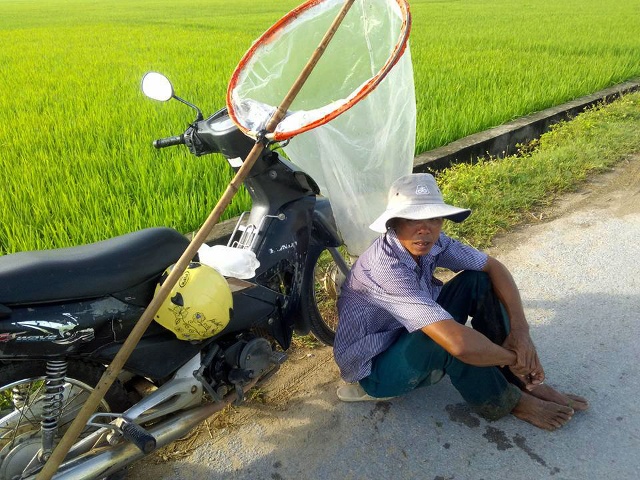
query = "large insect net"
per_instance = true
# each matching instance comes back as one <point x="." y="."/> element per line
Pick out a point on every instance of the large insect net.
<point x="352" y="125"/>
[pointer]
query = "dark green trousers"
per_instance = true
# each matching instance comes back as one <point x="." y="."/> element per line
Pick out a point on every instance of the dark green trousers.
<point x="416" y="361"/>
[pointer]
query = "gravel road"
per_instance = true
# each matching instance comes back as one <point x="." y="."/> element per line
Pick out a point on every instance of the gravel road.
<point x="577" y="268"/>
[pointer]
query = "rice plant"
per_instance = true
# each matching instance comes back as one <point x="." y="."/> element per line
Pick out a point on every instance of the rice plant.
<point x="75" y="132"/>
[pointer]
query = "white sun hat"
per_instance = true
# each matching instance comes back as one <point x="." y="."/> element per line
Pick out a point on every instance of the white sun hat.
<point x="417" y="197"/>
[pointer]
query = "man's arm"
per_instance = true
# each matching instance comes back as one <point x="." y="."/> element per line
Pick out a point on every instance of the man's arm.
<point x="472" y="347"/>
<point x="468" y="345"/>
<point x="505" y="287"/>
<point x="518" y="339"/>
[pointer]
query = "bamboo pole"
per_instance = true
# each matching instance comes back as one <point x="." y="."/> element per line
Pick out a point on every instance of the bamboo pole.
<point x="112" y="371"/>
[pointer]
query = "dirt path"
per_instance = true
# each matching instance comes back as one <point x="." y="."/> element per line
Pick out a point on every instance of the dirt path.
<point x="297" y="413"/>
<point x="309" y="372"/>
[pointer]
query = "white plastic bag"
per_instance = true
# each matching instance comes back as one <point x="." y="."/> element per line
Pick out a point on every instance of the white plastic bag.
<point x="229" y="261"/>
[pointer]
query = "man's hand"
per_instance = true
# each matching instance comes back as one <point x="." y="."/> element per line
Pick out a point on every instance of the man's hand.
<point x="527" y="365"/>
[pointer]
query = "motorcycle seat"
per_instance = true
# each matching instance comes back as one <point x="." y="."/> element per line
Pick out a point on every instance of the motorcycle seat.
<point x="89" y="271"/>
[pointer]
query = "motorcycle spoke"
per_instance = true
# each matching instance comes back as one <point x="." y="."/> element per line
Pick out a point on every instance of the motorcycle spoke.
<point x="22" y="406"/>
<point x="328" y="279"/>
<point x="322" y="291"/>
<point x="27" y="419"/>
<point x="72" y="398"/>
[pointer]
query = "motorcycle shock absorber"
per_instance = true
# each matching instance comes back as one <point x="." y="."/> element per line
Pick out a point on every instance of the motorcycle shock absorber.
<point x="52" y="405"/>
<point x="20" y="396"/>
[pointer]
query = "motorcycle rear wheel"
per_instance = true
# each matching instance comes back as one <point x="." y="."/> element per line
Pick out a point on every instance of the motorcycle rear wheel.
<point x="21" y="402"/>
<point x="320" y="294"/>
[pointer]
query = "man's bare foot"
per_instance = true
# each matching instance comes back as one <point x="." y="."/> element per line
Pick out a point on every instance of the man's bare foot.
<point x="541" y="413"/>
<point x="546" y="392"/>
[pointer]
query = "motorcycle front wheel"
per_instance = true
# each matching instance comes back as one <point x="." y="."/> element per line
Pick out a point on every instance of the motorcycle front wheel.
<point x="321" y="291"/>
<point x="22" y="405"/>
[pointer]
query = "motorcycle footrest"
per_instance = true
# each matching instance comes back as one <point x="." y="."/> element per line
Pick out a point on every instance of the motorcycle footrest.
<point x="138" y="436"/>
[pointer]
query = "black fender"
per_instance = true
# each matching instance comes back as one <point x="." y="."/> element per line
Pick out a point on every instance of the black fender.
<point x="324" y="231"/>
<point x="324" y="234"/>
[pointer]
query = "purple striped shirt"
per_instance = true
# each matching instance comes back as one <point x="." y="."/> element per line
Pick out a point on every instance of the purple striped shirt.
<point x="388" y="291"/>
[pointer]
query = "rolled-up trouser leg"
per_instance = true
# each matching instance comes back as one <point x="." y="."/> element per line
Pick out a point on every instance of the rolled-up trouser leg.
<point x="415" y="360"/>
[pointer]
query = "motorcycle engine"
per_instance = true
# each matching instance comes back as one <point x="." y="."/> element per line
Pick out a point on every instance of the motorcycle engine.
<point x="240" y="363"/>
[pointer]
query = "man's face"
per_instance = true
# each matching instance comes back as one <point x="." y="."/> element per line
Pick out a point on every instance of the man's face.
<point x="417" y="236"/>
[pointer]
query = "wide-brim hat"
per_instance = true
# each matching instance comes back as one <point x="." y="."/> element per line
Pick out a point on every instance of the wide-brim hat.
<point x="417" y="197"/>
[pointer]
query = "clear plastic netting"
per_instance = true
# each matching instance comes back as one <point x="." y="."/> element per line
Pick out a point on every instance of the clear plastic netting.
<point x="363" y="85"/>
<point x="356" y="157"/>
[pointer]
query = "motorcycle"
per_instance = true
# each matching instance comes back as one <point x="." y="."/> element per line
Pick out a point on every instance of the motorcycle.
<point x="65" y="313"/>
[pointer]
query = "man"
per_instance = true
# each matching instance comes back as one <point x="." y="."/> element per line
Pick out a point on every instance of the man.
<point x="400" y="328"/>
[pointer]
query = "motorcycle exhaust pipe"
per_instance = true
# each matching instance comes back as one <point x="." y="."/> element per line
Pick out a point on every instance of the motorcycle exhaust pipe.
<point x="114" y="459"/>
<point x="110" y="460"/>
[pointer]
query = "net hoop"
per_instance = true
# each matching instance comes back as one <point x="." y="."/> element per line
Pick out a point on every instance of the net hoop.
<point x="337" y="107"/>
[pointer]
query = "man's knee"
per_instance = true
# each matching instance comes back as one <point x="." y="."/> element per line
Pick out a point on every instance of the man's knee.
<point x="480" y="280"/>
<point x="422" y="353"/>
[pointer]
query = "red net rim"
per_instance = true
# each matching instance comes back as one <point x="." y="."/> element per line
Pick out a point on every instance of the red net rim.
<point x="362" y="92"/>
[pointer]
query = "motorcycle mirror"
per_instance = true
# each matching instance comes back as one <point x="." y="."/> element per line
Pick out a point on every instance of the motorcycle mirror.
<point x="157" y="87"/>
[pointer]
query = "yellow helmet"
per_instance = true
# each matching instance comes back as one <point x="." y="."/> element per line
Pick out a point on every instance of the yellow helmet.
<point x="200" y="304"/>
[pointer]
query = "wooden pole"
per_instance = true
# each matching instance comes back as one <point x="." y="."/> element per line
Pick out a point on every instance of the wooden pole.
<point x="112" y="371"/>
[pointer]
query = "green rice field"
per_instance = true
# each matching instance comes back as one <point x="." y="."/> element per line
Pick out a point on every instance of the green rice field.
<point x="76" y="159"/>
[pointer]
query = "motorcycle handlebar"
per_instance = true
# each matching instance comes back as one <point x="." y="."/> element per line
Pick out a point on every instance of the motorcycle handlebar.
<point x="169" y="141"/>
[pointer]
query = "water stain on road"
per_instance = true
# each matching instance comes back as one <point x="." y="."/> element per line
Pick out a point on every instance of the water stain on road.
<point x="497" y="436"/>
<point x="461" y="413"/>
<point x="378" y="413"/>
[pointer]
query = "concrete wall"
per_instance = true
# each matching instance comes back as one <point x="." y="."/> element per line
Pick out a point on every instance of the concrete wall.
<point x="502" y="141"/>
